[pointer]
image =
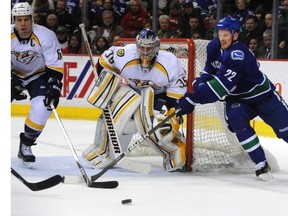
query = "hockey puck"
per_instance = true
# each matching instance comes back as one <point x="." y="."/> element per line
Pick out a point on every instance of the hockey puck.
<point x="126" y="201"/>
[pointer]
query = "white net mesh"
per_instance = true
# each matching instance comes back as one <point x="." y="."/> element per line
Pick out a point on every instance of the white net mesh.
<point x="214" y="146"/>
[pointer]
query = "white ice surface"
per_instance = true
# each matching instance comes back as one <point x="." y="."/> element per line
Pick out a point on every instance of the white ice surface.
<point x="158" y="193"/>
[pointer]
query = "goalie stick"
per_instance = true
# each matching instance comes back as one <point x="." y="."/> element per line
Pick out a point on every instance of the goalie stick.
<point x="108" y="119"/>
<point x="133" y="146"/>
<point x="47" y="183"/>
<point x="89" y="183"/>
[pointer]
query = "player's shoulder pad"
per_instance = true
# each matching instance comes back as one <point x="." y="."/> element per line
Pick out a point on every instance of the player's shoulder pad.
<point x="121" y="51"/>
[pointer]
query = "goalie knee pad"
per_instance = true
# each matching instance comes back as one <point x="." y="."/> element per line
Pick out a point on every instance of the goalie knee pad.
<point x="104" y="88"/>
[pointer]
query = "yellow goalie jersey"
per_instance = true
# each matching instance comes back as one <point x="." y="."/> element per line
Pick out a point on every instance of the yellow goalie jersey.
<point x="166" y="75"/>
<point x="29" y="58"/>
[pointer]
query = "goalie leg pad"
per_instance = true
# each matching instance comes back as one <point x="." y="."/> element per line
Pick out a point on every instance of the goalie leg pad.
<point x="164" y="140"/>
<point x="104" y="88"/>
<point x="97" y="154"/>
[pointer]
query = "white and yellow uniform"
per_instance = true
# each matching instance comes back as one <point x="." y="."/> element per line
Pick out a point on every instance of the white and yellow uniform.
<point x="166" y="75"/>
<point x="29" y="58"/>
<point x="34" y="61"/>
<point x="164" y="81"/>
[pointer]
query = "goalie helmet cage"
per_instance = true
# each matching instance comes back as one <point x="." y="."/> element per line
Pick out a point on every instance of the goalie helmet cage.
<point x="210" y="146"/>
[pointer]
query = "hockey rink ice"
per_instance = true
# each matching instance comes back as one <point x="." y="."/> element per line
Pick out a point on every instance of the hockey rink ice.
<point x="156" y="194"/>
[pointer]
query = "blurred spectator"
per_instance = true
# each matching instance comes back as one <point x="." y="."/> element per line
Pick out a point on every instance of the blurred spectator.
<point x="110" y="28"/>
<point x="42" y="6"/>
<point x="120" y="7"/>
<point x="74" y="8"/>
<point x="115" y="40"/>
<point x="194" y="26"/>
<point x="268" y="20"/>
<point x="196" y="35"/>
<point x="283" y="18"/>
<point x="254" y="46"/>
<point x="108" y="5"/>
<point x="147" y="23"/>
<point x="95" y="14"/>
<point x="163" y="7"/>
<point x="64" y="17"/>
<point x="204" y="7"/>
<point x="209" y="24"/>
<point x="132" y="22"/>
<point x="38" y="19"/>
<point x="175" y="11"/>
<point x="164" y="28"/>
<point x="265" y="52"/>
<point x="52" y="22"/>
<point x="74" y="45"/>
<point x="188" y="10"/>
<point x="250" y="29"/>
<point x="283" y="48"/>
<point x="242" y="11"/>
<point x="62" y="35"/>
<point x="99" y="45"/>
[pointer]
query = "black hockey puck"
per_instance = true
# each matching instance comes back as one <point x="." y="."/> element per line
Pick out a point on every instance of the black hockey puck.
<point x="126" y="201"/>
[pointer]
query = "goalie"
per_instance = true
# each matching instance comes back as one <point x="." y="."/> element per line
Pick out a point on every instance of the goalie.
<point x="151" y="81"/>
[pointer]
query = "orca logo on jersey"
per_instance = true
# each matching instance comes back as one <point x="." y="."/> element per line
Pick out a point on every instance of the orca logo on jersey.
<point x="25" y="57"/>
<point x="237" y="55"/>
<point x="120" y="52"/>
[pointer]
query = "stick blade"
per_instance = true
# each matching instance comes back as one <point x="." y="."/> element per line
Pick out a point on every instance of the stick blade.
<point x="47" y="183"/>
<point x="104" y="185"/>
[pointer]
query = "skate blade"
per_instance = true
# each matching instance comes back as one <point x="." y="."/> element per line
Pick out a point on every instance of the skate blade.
<point x="28" y="165"/>
<point x="266" y="176"/>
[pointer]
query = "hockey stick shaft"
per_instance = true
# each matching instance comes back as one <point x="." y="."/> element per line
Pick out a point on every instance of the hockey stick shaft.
<point x="47" y="183"/>
<point x="110" y="184"/>
<point x="133" y="146"/>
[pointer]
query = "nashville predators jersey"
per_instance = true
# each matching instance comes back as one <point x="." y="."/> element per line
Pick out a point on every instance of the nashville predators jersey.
<point x="166" y="75"/>
<point x="39" y="54"/>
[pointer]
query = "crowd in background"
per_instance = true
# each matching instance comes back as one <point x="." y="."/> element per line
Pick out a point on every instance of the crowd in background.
<point x="108" y="20"/>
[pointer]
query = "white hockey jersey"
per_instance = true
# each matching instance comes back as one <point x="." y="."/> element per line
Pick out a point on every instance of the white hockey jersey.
<point x="29" y="58"/>
<point x="166" y="75"/>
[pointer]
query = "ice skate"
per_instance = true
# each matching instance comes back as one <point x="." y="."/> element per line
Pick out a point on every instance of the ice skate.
<point x="264" y="173"/>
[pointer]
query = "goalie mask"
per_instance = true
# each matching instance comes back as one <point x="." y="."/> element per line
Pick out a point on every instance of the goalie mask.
<point x="22" y="9"/>
<point x="147" y="46"/>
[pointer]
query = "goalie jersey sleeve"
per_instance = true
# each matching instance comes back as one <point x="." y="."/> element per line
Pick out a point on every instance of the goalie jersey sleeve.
<point x="238" y="76"/>
<point x="166" y="75"/>
<point x="40" y="54"/>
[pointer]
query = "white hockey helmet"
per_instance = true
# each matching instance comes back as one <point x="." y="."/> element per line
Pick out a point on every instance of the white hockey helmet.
<point x="148" y="44"/>
<point x="22" y="9"/>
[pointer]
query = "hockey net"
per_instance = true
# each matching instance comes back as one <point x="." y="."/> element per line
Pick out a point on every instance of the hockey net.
<point x="210" y="146"/>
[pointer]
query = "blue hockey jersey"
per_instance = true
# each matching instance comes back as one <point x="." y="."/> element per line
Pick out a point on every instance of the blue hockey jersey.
<point x="235" y="74"/>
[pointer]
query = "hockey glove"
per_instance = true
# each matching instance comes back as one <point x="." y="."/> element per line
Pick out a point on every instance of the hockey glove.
<point x="17" y="89"/>
<point x="204" y="77"/>
<point x="53" y="87"/>
<point x="186" y="104"/>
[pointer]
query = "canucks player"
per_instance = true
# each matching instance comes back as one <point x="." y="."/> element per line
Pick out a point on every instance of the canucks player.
<point x="36" y="66"/>
<point x="232" y="73"/>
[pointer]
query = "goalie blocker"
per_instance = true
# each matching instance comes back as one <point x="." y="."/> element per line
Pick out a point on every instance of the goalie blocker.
<point x="126" y="102"/>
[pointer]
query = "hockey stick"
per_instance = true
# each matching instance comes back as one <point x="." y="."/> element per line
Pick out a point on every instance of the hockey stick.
<point x="47" y="183"/>
<point x="89" y="183"/>
<point x="137" y="166"/>
<point x="133" y="146"/>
